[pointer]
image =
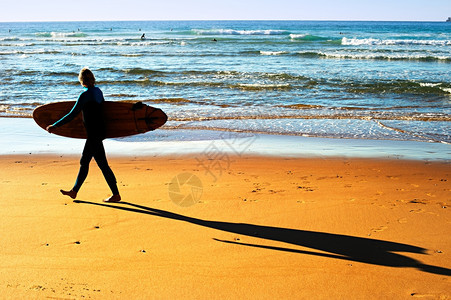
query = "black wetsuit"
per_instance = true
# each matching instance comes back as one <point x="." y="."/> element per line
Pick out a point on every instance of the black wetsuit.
<point x="90" y="103"/>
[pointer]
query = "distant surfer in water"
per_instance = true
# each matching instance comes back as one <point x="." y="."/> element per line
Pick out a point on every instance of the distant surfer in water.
<point x="143" y="37"/>
<point x="90" y="104"/>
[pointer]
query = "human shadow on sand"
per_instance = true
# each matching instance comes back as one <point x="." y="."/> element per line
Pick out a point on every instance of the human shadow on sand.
<point x="345" y="247"/>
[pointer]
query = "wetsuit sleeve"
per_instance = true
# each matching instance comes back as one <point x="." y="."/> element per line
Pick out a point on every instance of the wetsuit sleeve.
<point x="72" y="114"/>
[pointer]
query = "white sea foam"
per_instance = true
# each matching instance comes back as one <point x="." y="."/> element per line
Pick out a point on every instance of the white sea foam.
<point x="152" y="43"/>
<point x="238" y="32"/>
<point x="297" y="36"/>
<point x="29" y="52"/>
<point x="61" y="34"/>
<point x="376" y="42"/>
<point x="15" y="45"/>
<point x="307" y="37"/>
<point x="263" y="86"/>
<point x="429" y="84"/>
<point x="369" y="55"/>
<point x="89" y="41"/>
<point x="273" y="52"/>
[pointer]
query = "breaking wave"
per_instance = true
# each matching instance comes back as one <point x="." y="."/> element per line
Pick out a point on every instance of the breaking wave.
<point x="238" y="32"/>
<point x="391" y="42"/>
<point x="61" y="34"/>
<point x="307" y="37"/>
<point x="375" y="56"/>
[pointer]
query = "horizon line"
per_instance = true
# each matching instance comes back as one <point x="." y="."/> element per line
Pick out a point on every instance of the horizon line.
<point x="217" y="20"/>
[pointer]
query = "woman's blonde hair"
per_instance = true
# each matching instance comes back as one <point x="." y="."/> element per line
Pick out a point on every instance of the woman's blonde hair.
<point x="86" y="77"/>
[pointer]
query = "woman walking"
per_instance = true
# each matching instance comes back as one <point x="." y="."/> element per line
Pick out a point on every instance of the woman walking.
<point x="90" y="104"/>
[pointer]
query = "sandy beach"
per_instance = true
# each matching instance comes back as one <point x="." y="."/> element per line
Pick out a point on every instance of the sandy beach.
<point x="301" y="159"/>
<point x="257" y="228"/>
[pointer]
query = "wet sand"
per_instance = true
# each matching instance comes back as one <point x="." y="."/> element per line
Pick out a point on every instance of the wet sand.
<point x="252" y="227"/>
<point x="23" y="136"/>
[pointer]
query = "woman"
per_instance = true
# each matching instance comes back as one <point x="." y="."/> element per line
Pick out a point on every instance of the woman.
<point x="90" y="104"/>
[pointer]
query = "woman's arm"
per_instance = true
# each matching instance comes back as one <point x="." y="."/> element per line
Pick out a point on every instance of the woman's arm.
<point x="70" y="116"/>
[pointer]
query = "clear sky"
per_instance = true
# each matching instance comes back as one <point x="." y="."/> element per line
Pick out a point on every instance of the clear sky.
<point x="90" y="10"/>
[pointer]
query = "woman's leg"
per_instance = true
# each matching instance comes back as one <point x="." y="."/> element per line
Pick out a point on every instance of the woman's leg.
<point x="84" y="169"/>
<point x="101" y="160"/>
<point x="88" y="153"/>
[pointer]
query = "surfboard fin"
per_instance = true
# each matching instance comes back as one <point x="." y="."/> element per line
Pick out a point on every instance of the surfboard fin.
<point x="137" y="105"/>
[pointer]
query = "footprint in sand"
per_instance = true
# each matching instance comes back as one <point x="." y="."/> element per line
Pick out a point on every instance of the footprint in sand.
<point x="276" y="191"/>
<point x="418" y="295"/>
<point x="305" y="188"/>
<point x="248" y="200"/>
<point x="379" y="229"/>
<point x="418" y="201"/>
<point x="402" y="220"/>
<point x="305" y="202"/>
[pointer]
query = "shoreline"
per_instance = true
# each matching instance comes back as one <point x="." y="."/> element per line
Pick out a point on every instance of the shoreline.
<point x="23" y="136"/>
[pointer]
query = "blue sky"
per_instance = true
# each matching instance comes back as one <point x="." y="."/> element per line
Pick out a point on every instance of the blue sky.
<point x="89" y="10"/>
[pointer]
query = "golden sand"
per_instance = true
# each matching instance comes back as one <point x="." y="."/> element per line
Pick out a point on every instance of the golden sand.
<point x="256" y="228"/>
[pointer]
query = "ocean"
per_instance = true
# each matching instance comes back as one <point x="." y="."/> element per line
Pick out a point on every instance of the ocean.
<point x="351" y="80"/>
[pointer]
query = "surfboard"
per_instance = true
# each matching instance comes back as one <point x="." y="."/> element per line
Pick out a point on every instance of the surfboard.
<point x="121" y="118"/>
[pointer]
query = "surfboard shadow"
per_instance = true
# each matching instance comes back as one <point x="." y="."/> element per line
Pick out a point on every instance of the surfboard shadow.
<point x="345" y="247"/>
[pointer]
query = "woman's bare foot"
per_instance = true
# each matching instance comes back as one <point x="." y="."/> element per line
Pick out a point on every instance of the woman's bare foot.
<point x="71" y="193"/>
<point x="114" y="198"/>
